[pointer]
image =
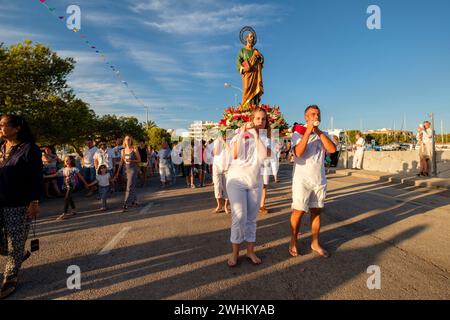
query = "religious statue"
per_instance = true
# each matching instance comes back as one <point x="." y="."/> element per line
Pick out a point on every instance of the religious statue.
<point x="249" y="64"/>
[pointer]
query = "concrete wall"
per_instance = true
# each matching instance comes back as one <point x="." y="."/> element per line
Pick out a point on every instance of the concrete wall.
<point x="406" y="162"/>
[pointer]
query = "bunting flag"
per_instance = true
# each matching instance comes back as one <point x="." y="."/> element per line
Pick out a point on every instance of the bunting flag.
<point x="100" y="53"/>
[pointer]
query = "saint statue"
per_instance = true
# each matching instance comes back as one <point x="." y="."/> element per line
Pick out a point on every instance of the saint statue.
<point x="249" y="64"/>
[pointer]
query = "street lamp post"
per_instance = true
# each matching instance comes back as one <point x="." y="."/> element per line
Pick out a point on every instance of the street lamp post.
<point x="229" y="85"/>
<point x="146" y="124"/>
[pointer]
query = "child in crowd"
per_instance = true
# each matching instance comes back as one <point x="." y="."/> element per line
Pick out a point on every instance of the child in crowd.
<point x="103" y="180"/>
<point x="71" y="176"/>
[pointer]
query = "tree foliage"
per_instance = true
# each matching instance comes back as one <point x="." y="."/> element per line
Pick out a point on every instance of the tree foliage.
<point x="156" y="136"/>
<point x="33" y="83"/>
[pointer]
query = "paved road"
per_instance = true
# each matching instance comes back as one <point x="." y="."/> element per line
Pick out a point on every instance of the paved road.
<point x="174" y="247"/>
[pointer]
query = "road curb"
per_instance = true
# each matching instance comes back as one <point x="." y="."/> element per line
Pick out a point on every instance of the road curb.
<point x="432" y="183"/>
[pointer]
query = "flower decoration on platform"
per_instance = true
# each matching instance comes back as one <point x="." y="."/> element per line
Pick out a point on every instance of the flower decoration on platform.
<point x="234" y="118"/>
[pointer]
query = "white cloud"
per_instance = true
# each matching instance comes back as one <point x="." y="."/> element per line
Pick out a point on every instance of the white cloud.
<point x="211" y="75"/>
<point x="11" y="35"/>
<point x="147" y="57"/>
<point x="153" y="5"/>
<point x="204" y="17"/>
<point x="108" y="20"/>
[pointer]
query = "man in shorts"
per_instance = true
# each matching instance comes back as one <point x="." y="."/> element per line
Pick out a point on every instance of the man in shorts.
<point x="309" y="181"/>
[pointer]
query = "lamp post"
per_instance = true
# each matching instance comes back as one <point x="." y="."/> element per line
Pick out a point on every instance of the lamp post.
<point x="146" y="124"/>
<point x="229" y="85"/>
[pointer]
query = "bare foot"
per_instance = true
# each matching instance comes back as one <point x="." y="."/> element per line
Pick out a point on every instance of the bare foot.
<point x="320" y="251"/>
<point x="293" y="248"/>
<point x="293" y="251"/>
<point x="254" y="258"/>
<point x="232" y="261"/>
<point x="218" y="210"/>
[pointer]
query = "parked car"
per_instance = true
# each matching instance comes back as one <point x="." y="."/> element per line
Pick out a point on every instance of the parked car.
<point x="391" y="147"/>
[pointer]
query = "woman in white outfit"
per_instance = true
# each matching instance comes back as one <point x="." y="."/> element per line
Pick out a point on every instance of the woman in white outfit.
<point x="249" y="148"/>
<point x="221" y="162"/>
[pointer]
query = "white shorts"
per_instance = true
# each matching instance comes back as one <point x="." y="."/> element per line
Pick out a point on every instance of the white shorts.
<point x="305" y="197"/>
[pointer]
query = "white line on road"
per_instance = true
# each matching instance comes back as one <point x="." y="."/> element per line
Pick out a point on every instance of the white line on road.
<point x="114" y="241"/>
<point x="146" y="208"/>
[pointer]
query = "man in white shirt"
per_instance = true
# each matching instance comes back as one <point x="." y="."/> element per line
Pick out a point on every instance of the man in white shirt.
<point x="164" y="164"/>
<point x="359" y="152"/>
<point x="309" y="181"/>
<point x="426" y="152"/>
<point x="105" y="156"/>
<point x="88" y="168"/>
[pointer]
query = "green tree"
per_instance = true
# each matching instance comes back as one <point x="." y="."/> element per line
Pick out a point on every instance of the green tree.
<point x="351" y="134"/>
<point x="156" y="136"/>
<point x="29" y="74"/>
<point x="150" y="124"/>
<point x="71" y="122"/>
<point x="33" y="84"/>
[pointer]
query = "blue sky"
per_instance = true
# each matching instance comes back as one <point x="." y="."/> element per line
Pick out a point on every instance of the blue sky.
<point x="176" y="55"/>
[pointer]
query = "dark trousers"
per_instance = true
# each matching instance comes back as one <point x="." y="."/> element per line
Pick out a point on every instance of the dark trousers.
<point x="68" y="200"/>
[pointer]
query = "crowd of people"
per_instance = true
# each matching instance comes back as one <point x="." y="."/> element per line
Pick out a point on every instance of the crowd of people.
<point x="240" y="170"/>
<point x="239" y="167"/>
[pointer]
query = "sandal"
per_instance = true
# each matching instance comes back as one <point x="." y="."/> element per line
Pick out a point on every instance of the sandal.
<point x="8" y="287"/>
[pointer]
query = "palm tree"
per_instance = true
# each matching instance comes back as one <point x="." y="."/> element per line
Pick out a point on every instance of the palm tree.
<point x="150" y="124"/>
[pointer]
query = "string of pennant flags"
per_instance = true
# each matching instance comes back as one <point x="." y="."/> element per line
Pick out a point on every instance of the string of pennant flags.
<point x="91" y="44"/>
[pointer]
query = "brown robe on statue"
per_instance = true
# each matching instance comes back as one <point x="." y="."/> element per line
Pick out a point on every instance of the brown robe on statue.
<point x="252" y="83"/>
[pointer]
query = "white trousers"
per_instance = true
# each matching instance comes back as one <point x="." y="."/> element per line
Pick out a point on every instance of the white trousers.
<point x="357" y="159"/>
<point x="220" y="184"/>
<point x="165" y="173"/>
<point x="244" y="202"/>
